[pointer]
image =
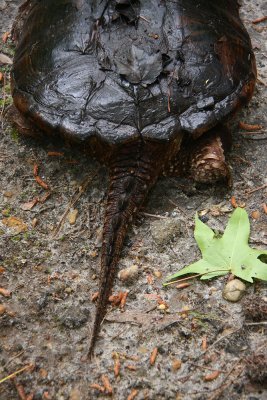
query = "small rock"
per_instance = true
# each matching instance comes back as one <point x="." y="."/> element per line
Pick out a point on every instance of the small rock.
<point x="93" y="254"/>
<point x="75" y="394"/>
<point x="34" y="222"/>
<point x="4" y="59"/>
<point x="255" y="214"/>
<point x="128" y="274"/>
<point x="68" y="290"/>
<point x="43" y="373"/>
<point x="234" y="290"/>
<point x="165" y="230"/>
<point x="72" y="216"/>
<point x="176" y="364"/>
<point x="158" y="274"/>
<point x="3" y="5"/>
<point x="2" y="309"/>
<point x="8" y="194"/>
<point x="74" y="317"/>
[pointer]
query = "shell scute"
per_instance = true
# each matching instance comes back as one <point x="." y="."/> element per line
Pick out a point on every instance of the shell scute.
<point x="107" y="70"/>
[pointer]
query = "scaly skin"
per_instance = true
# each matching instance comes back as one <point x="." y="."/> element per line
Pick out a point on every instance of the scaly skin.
<point x="203" y="159"/>
<point x="134" y="169"/>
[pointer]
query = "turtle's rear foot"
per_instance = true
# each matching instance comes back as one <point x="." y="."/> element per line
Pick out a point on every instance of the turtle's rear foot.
<point x="24" y="126"/>
<point x="203" y="159"/>
<point x="207" y="159"/>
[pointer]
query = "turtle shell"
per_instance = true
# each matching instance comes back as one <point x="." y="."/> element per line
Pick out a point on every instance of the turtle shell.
<point x="118" y="70"/>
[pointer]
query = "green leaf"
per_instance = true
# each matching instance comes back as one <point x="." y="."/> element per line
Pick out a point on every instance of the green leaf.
<point x="203" y="234"/>
<point x="230" y="253"/>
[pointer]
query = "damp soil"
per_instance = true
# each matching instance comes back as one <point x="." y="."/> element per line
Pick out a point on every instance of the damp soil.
<point x="46" y="320"/>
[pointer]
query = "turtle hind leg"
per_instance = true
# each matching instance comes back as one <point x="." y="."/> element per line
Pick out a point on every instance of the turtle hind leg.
<point x="206" y="161"/>
<point x="23" y="125"/>
<point x="203" y="159"/>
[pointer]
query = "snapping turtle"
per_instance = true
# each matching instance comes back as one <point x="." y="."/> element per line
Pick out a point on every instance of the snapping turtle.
<point x="147" y="86"/>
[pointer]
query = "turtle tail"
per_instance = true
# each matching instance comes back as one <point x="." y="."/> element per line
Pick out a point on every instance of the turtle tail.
<point x="134" y="169"/>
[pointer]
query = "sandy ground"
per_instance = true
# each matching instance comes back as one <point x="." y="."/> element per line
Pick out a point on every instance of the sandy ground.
<point x="47" y="319"/>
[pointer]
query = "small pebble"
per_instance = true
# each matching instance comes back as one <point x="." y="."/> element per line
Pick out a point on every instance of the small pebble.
<point x="43" y="373"/>
<point x="75" y="394"/>
<point x="2" y="309"/>
<point x="128" y="274"/>
<point x="34" y="222"/>
<point x="3" y="5"/>
<point x="158" y="274"/>
<point x="255" y="214"/>
<point x="176" y="364"/>
<point x="164" y="231"/>
<point x="234" y="290"/>
<point x="68" y="290"/>
<point x="72" y="216"/>
<point x="8" y="194"/>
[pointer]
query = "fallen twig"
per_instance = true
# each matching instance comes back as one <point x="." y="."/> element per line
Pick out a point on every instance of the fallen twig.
<point x="107" y="385"/>
<point x="153" y="356"/>
<point x="249" y="127"/>
<point x="55" y="154"/>
<point x="220" y="389"/>
<point x="73" y="202"/>
<point x="15" y="373"/>
<point x="41" y="182"/>
<point x="131" y="367"/>
<point x="21" y="391"/>
<point x="13" y="358"/>
<point x="117" y="364"/>
<point x="123" y="300"/>
<point x="260" y="19"/>
<point x="252" y="132"/>
<point x="38" y="179"/>
<point x="97" y="387"/>
<point x="212" y="376"/>
<point x="154" y="215"/>
<point x="212" y="345"/>
<point x="257" y="188"/>
<point x="204" y="343"/>
<point x="208" y="368"/>
<point x="222" y="386"/>
<point x="133" y="394"/>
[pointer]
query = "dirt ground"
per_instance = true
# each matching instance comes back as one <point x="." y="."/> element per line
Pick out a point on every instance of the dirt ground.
<point x="47" y="319"/>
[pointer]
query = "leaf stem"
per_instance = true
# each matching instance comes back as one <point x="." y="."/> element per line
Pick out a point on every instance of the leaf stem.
<point x="194" y="276"/>
<point x="181" y="280"/>
<point x="14" y="374"/>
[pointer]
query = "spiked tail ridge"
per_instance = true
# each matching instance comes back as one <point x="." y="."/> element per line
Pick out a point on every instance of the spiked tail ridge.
<point x="134" y="170"/>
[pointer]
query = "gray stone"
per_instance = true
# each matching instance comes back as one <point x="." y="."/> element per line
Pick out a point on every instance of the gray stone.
<point x="234" y="290"/>
<point x="74" y="317"/>
<point x="165" y="230"/>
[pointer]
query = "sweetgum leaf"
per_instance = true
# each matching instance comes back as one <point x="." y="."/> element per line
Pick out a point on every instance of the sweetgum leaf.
<point x="230" y="253"/>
